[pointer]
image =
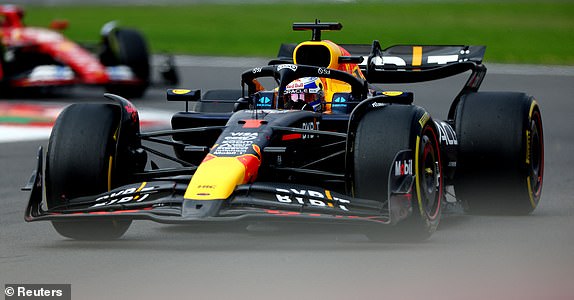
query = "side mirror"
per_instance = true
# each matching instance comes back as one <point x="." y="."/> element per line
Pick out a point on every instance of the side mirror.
<point x="183" y="95"/>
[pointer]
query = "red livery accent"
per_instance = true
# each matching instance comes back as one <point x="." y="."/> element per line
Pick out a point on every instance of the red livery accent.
<point x="251" y="163"/>
<point x="292" y="136"/>
<point x="252" y="124"/>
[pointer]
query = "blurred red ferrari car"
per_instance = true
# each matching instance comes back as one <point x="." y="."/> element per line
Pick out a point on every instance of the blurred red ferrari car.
<point x="38" y="58"/>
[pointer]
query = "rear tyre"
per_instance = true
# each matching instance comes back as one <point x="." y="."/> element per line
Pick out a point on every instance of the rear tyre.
<point x="501" y="155"/>
<point x="380" y="135"/>
<point x="128" y="47"/>
<point x="79" y="163"/>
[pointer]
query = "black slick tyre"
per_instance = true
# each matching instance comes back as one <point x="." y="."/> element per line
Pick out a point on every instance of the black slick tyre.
<point x="380" y="135"/>
<point x="79" y="162"/>
<point x="501" y="156"/>
<point x="128" y="47"/>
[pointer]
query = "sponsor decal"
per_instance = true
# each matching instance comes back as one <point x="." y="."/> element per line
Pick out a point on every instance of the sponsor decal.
<point x="206" y="186"/>
<point x="385" y="60"/>
<point x="377" y="104"/>
<point x="401" y="173"/>
<point x="235" y="144"/>
<point x="296" y="91"/>
<point x="270" y="111"/>
<point x="311" y="198"/>
<point x="264" y="101"/>
<point x="399" y="61"/>
<point x="339" y="104"/>
<point x="313" y="125"/>
<point x="404" y="167"/>
<point x="124" y="196"/>
<point x="339" y="101"/>
<point x="442" y="59"/>
<point x="446" y="134"/>
<point x="324" y="71"/>
<point x="295" y="85"/>
<point x="287" y="66"/>
<point x="256" y="70"/>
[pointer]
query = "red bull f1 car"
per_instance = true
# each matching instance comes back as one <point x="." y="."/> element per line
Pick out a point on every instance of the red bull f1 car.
<point x="311" y="138"/>
<point x="40" y="58"/>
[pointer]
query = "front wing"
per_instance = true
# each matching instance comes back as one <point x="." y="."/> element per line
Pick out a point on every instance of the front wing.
<point x="162" y="201"/>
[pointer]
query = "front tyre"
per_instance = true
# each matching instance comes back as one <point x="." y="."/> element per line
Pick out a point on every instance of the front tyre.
<point x="79" y="162"/>
<point x="380" y="136"/>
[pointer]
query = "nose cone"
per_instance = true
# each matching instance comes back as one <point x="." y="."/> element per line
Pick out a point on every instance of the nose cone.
<point x="217" y="177"/>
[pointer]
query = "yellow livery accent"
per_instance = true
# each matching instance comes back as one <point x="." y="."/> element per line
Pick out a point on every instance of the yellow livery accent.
<point x="328" y="194"/>
<point x="417" y="55"/>
<point x="215" y="179"/>
<point x="110" y="166"/>
<point x="141" y="187"/>
<point x="392" y="93"/>
<point x="333" y="50"/>
<point x="180" y="91"/>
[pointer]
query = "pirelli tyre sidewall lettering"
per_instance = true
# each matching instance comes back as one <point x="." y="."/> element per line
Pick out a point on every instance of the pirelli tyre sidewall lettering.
<point x="534" y="153"/>
<point x="428" y="169"/>
<point x="111" y="161"/>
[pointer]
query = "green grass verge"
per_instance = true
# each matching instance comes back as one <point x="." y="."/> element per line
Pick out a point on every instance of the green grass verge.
<point x="523" y="32"/>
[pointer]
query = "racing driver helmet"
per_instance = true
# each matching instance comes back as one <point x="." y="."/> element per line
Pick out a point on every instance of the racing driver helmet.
<point x="304" y="93"/>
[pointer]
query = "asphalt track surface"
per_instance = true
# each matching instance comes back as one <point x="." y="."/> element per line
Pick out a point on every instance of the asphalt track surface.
<point x="469" y="257"/>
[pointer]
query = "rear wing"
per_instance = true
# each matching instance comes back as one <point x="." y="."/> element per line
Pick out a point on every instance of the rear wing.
<point x="406" y="63"/>
<point x="411" y="63"/>
<point x="401" y="63"/>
